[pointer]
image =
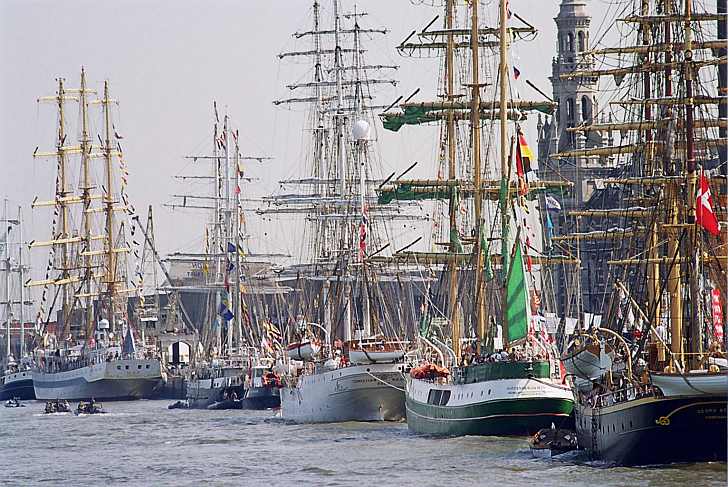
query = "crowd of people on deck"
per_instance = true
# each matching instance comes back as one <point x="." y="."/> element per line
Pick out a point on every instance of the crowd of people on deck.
<point x="470" y="355"/>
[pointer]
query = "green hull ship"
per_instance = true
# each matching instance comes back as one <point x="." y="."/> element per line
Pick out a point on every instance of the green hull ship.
<point x="499" y="398"/>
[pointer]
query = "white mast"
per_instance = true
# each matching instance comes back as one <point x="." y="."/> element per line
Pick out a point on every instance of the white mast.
<point x="226" y="232"/>
<point x="8" y="307"/>
<point x="237" y="305"/>
<point x="341" y="155"/>
<point x="20" y="281"/>
<point x="360" y="132"/>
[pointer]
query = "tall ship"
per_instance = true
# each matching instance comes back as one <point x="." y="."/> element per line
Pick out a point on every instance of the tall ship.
<point x="650" y="382"/>
<point x="89" y="350"/>
<point x="238" y="341"/>
<point x="16" y="380"/>
<point x="487" y="362"/>
<point x="345" y="350"/>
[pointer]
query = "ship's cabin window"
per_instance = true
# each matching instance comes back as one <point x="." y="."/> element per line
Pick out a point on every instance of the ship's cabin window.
<point x="438" y="398"/>
<point x="127" y="367"/>
<point x="139" y="366"/>
<point x="147" y="365"/>
<point x="118" y="367"/>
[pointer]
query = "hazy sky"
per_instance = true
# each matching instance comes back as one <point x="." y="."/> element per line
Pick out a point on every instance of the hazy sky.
<point x="167" y="60"/>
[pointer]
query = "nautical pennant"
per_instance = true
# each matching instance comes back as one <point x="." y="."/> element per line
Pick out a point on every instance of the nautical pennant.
<point x="224" y="310"/>
<point x="363" y="234"/>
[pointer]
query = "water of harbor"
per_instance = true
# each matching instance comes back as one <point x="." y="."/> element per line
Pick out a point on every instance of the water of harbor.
<point x="144" y="443"/>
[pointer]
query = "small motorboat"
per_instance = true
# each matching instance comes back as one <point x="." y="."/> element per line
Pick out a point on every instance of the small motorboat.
<point x="550" y="442"/>
<point x="90" y="407"/>
<point x="14" y="403"/>
<point x="227" y="404"/>
<point x="179" y="405"/>
<point x="57" y="406"/>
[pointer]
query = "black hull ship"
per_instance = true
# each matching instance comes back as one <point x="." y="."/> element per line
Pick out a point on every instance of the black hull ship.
<point x="17" y="384"/>
<point x="649" y="381"/>
<point x="655" y="430"/>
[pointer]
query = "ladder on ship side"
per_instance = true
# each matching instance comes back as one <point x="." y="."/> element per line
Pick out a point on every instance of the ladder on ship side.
<point x="595" y="430"/>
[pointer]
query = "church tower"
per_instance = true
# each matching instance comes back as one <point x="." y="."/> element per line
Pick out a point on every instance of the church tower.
<point x="577" y="96"/>
<point x="577" y="106"/>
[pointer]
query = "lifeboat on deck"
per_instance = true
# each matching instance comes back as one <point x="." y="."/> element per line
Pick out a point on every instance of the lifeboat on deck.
<point x="375" y="352"/>
<point x="428" y="371"/>
<point x="304" y="350"/>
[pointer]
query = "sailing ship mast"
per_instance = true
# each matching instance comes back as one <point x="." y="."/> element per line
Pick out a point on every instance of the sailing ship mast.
<point x="503" y="76"/>
<point x="8" y="303"/>
<point x="335" y="191"/>
<point x="665" y="166"/>
<point x="86" y="197"/>
<point x="450" y="111"/>
<point x="12" y="266"/>
<point x="77" y="264"/>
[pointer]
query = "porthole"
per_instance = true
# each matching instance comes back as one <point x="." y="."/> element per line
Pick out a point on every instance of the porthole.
<point x="118" y="367"/>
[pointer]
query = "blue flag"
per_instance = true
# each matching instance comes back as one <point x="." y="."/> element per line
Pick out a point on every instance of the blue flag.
<point x="224" y="310"/>
<point x="231" y="247"/>
<point x="549" y="227"/>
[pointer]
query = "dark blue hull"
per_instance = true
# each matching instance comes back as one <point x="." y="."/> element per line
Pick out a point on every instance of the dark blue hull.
<point x="262" y="398"/>
<point x="21" y="388"/>
<point x="655" y="430"/>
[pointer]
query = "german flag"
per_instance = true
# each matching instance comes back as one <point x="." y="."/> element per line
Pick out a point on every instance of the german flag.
<point x="526" y="163"/>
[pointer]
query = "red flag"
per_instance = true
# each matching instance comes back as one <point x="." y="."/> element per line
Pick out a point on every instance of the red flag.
<point x="363" y="237"/>
<point x="704" y="214"/>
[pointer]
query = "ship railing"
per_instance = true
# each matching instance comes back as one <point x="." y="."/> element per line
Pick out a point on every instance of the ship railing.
<point x="618" y="396"/>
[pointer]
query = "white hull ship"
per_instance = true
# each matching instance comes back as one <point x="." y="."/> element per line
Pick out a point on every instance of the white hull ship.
<point x="363" y="379"/>
<point x="88" y="269"/>
<point x="356" y="393"/>
<point x="104" y="380"/>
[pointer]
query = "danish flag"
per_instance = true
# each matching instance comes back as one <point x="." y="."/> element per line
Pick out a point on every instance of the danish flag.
<point x="704" y="214"/>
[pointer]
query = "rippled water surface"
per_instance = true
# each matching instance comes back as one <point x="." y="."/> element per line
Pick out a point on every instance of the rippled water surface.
<point x="144" y="443"/>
